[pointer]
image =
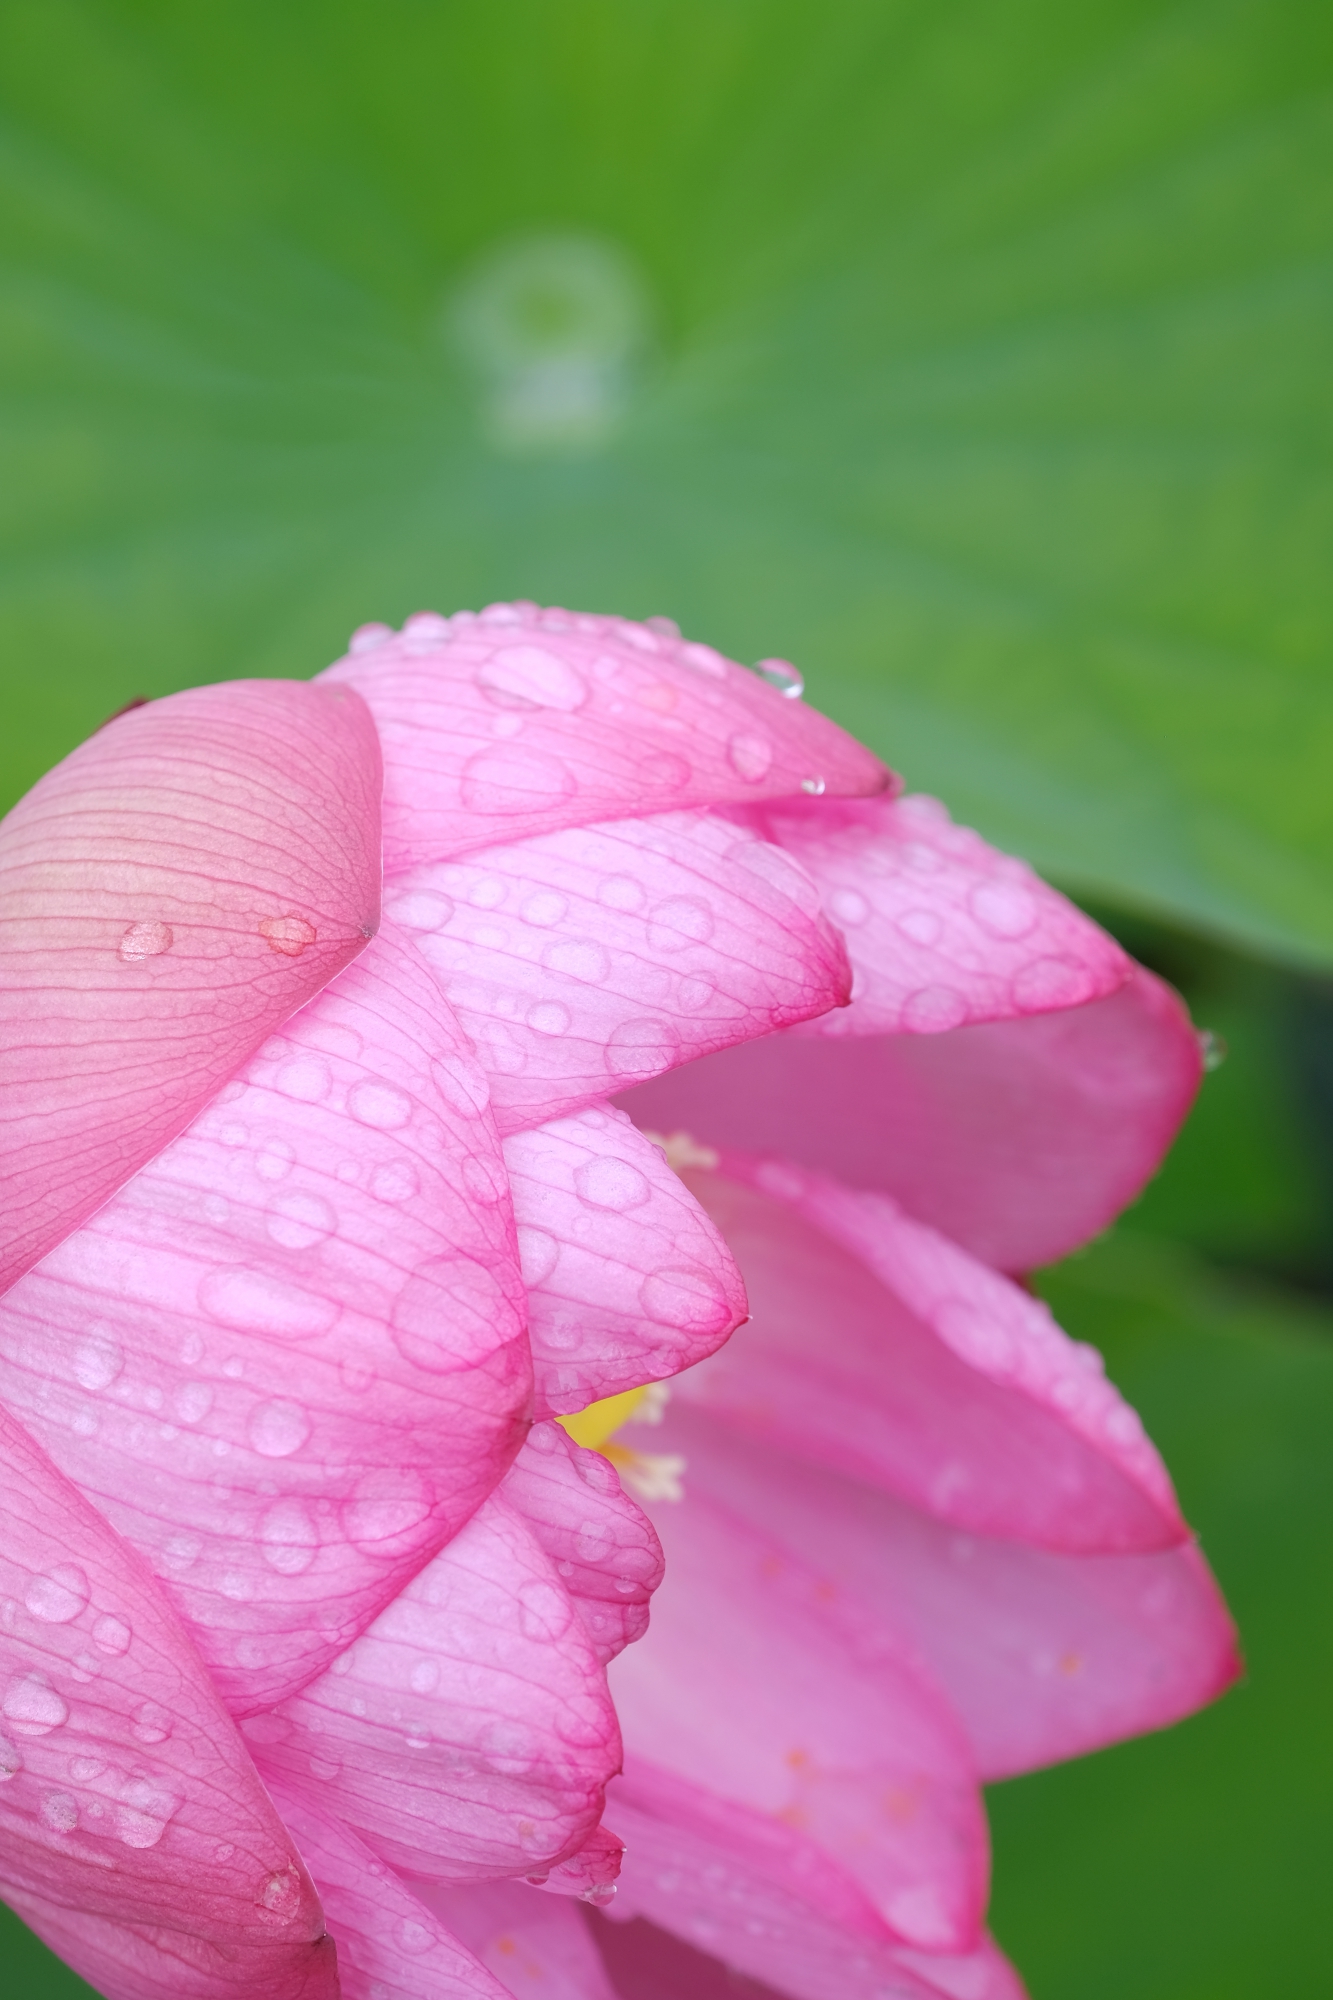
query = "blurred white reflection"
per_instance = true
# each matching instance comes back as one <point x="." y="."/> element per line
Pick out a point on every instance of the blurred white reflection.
<point x="553" y="327"/>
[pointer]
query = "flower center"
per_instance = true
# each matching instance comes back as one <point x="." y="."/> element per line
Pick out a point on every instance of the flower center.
<point x="649" y="1475"/>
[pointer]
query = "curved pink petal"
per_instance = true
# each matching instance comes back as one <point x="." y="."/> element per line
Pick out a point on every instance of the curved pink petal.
<point x="537" y="1946"/>
<point x="710" y="1892"/>
<point x="881" y="1349"/>
<point x="1042" y="1656"/>
<point x="390" y="1946"/>
<point x="521" y="721"/>
<point x="584" y="960"/>
<point x="469" y="1732"/>
<point x="603" y="1545"/>
<point x="628" y="1280"/>
<point x="133" y="1828"/>
<point x="941" y="929"/>
<point x="288" y="1359"/>
<point x="749" y="1687"/>
<point x="169" y="894"/>
<point x="1019" y="1139"/>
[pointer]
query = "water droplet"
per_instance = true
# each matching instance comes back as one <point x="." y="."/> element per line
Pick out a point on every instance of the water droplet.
<point x="815" y="788"/>
<point x="152" y="1723"/>
<point x="59" y="1595"/>
<point x="273" y="1162"/>
<point x="324" y="1770"/>
<point x="595" y="1541"/>
<point x="452" y="1311"/>
<point x="514" y="780"/>
<point x="11" y="1760"/>
<point x="97" y="1362"/>
<point x="578" y="958"/>
<point x="621" y="892"/>
<point x="611" y="1183"/>
<point x="933" y="1010"/>
<point x="663" y="771"/>
<point x="387" y="1511"/>
<point x="783" y="676"/>
<point x="750" y="756"/>
<point x="923" y="927"/>
<point x="544" y="1611"/>
<point x="976" y="1335"/>
<point x="1049" y="983"/>
<point x="298" y="1220"/>
<point x="1004" y="909"/>
<point x="412" y="1936"/>
<point x="1212" y="1049"/>
<point x="684" y="1296"/>
<point x="849" y="906"/>
<point x="289" y="935"/>
<point x="60" y="1810"/>
<point x="289" y="1537"/>
<point x="192" y="1402"/>
<point x="532" y="677"/>
<point x="537" y="1254"/>
<point x="257" y="1302"/>
<point x="380" y="1105"/>
<point x="678" y="921"/>
<point x="276" y="1430"/>
<point x="395" y="1181"/>
<point x="307" y="1079"/>
<point x="424" y="1676"/>
<point x="112" y="1635"/>
<point x="146" y="1807"/>
<point x="640" y="1049"/>
<point x="419" y="909"/>
<point x="367" y="638"/>
<point x="146" y="940"/>
<point x="548" y="1017"/>
<point x="32" y="1706"/>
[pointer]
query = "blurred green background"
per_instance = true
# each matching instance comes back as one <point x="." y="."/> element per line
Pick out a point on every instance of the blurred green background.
<point x="976" y="357"/>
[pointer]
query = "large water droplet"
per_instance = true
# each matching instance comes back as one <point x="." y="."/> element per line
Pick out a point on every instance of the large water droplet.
<point x="298" y="1220"/>
<point x="419" y="909"/>
<point x="308" y="1079"/>
<point x="192" y="1402"/>
<point x="639" y="1049"/>
<point x="578" y="958"/>
<point x="289" y="1537"/>
<point x="412" y="1936"/>
<point x="112" y="1635"/>
<point x="544" y="908"/>
<point x="152" y="1723"/>
<point x="611" y="1183"/>
<point x="782" y="675"/>
<point x="146" y="1807"/>
<point x="750" y="756"/>
<point x="679" y="921"/>
<point x="514" y="780"/>
<point x="60" y="1810"/>
<point x="548" y="1017"/>
<point x="386" y="1512"/>
<point x="257" y="1302"/>
<point x="933" y="1010"/>
<point x="395" y="1181"/>
<point x="288" y="935"/>
<point x="380" y="1105"/>
<point x="684" y="1296"/>
<point x="451" y="1313"/>
<point x="537" y="1254"/>
<point x="544" y="1611"/>
<point x="276" y="1430"/>
<point x="98" y="1360"/>
<point x="1004" y="909"/>
<point x="532" y="677"/>
<point x="59" y="1595"/>
<point x="32" y="1707"/>
<point x="145" y="940"/>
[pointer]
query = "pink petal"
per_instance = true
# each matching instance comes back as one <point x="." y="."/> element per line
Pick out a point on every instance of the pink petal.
<point x="288" y="1359"/>
<point x="469" y="1732"/>
<point x="169" y="894"/>
<point x="537" y="1946"/>
<point x="941" y="929"/>
<point x="1019" y="1139"/>
<point x="603" y="1545"/>
<point x="390" y="1946"/>
<point x="1042" y="1656"/>
<point x="710" y="1892"/>
<point x="521" y="721"/>
<point x="591" y="1873"/>
<point x="749" y="1688"/>
<point x="627" y="1278"/>
<point x="882" y="1350"/>
<point x="582" y="961"/>
<point x="133" y="1828"/>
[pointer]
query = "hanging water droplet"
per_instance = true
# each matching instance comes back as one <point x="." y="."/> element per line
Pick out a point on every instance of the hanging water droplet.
<point x="58" y="1596"/>
<point x="782" y="675"/>
<point x="1212" y="1049"/>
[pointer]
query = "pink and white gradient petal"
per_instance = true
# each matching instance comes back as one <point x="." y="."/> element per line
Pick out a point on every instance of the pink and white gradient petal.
<point x="169" y="894"/>
<point x="288" y="1360"/>
<point x="521" y="721"/>
<point x="880" y="1348"/>
<point x="628" y="1280"/>
<point x="584" y="960"/>
<point x="134" y="1832"/>
<point x="1020" y="1139"/>
<point x="468" y="1733"/>
<point x="537" y="1946"/>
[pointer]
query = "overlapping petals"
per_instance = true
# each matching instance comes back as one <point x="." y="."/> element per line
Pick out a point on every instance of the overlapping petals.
<point x="310" y="1237"/>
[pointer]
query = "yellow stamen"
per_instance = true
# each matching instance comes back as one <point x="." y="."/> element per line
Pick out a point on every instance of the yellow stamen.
<point x="600" y="1421"/>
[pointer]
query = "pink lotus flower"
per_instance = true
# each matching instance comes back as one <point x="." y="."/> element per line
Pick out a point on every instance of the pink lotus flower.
<point x="307" y="1240"/>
